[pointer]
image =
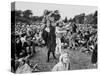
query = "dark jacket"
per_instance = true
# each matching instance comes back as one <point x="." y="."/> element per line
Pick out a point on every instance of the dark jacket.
<point x="18" y="48"/>
<point x="51" y="39"/>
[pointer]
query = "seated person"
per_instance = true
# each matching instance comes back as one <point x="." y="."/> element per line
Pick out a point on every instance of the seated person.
<point x="18" y="44"/>
<point x="29" y="46"/>
<point x="63" y="64"/>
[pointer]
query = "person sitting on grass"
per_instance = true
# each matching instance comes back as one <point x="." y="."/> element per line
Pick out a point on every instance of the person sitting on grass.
<point x="63" y="64"/>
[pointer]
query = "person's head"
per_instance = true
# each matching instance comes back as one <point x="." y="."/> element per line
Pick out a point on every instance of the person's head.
<point x="28" y="38"/>
<point x="64" y="58"/>
<point x="48" y="23"/>
<point x="52" y="17"/>
<point x="61" y="24"/>
<point x="86" y="33"/>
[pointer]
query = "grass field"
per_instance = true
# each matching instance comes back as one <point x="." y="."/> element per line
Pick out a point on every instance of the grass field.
<point x="78" y="60"/>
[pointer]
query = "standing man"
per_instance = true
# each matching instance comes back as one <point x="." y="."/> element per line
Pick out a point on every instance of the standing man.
<point x="51" y="43"/>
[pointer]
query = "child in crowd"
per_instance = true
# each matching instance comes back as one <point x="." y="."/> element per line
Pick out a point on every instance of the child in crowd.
<point x="63" y="64"/>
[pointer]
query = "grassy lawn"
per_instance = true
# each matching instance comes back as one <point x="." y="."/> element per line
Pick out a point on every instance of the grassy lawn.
<point x="78" y="60"/>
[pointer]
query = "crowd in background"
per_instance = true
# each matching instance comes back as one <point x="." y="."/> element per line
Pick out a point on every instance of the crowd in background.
<point x="69" y="36"/>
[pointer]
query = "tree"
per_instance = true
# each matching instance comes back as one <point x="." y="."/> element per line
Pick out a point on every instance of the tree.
<point x="56" y="15"/>
<point x="79" y="18"/>
<point x="95" y="14"/>
<point x="18" y="13"/>
<point x="56" y="11"/>
<point x="46" y="12"/>
<point x="23" y="16"/>
<point x="70" y="20"/>
<point x="65" y="20"/>
<point x="27" y="14"/>
<point x="95" y="17"/>
<point x="89" y="19"/>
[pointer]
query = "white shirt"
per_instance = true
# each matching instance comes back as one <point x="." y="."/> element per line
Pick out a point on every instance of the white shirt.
<point x="61" y="67"/>
<point x="47" y="29"/>
<point x="23" y="40"/>
<point x="24" y="69"/>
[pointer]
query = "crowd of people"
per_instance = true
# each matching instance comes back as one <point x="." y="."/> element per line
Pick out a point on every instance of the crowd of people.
<point x="56" y="36"/>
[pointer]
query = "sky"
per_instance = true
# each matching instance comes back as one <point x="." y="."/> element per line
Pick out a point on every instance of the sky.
<point x="65" y="10"/>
